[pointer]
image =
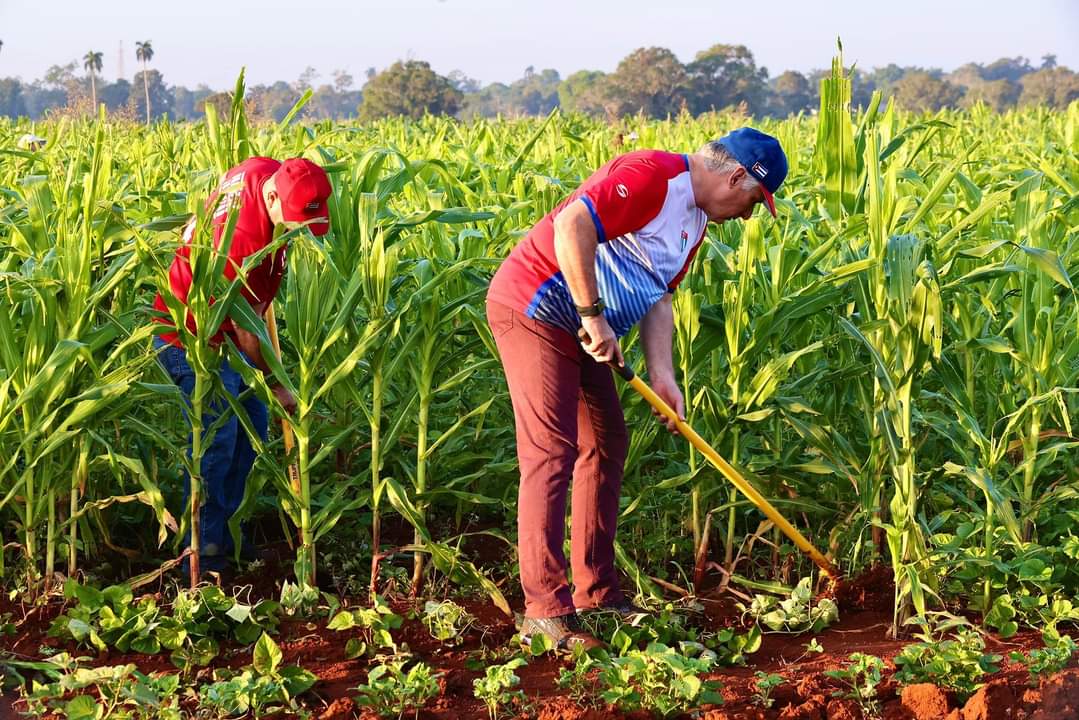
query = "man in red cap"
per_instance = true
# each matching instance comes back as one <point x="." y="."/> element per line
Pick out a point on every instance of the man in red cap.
<point x="606" y="258"/>
<point x="266" y="194"/>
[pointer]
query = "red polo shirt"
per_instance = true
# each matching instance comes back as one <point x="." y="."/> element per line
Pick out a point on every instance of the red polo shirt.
<point x="241" y="185"/>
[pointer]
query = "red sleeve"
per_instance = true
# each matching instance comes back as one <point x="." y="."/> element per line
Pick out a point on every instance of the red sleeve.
<point x="628" y="198"/>
<point x="677" y="280"/>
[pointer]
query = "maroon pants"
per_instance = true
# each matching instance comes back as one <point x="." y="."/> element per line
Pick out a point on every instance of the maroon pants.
<point x="569" y="426"/>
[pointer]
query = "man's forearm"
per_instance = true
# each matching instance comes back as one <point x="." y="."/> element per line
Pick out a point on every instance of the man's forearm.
<point x="251" y="347"/>
<point x="657" y="333"/>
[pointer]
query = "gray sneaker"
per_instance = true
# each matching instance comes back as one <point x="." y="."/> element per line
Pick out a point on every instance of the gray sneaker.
<point x="564" y="631"/>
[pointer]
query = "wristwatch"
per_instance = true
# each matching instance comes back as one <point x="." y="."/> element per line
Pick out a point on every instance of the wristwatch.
<point x="592" y="310"/>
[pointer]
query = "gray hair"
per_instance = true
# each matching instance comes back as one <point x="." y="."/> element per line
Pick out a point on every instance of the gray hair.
<point x="717" y="159"/>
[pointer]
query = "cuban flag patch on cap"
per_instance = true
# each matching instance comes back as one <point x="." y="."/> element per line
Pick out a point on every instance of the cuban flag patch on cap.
<point x="759" y="169"/>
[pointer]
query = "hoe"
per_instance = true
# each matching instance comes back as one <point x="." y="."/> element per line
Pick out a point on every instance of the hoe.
<point x="626" y="373"/>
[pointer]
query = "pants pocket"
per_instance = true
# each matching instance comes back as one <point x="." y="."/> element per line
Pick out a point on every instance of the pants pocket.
<point x="499" y="318"/>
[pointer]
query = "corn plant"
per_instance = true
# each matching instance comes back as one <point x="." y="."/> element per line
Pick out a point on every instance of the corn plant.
<point x="316" y="289"/>
<point x="66" y="358"/>
<point x="211" y="299"/>
<point x="901" y="296"/>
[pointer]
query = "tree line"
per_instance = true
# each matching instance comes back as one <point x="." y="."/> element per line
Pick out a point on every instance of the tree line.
<point x="649" y="80"/>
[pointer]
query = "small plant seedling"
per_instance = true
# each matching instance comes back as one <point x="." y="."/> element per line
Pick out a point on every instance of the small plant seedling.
<point x="118" y="691"/>
<point x="484" y="656"/>
<point x="538" y="644"/>
<point x="661" y="679"/>
<point x="1052" y="658"/>
<point x="496" y="687"/>
<point x="582" y="680"/>
<point x="794" y="614"/>
<point x="298" y="598"/>
<point x="861" y="676"/>
<point x="264" y="687"/>
<point x="813" y="647"/>
<point x="670" y="626"/>
<point x="447" y="621"/>
<point x="957" y="663"/>
<point x="375" y="624"/>
<point x="766" y="683"/>
<point x="190" y="629"/>
<point x="391" y="691"/>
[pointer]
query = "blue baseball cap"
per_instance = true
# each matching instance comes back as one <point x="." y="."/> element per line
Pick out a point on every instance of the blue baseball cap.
<point x="762" y="157"/>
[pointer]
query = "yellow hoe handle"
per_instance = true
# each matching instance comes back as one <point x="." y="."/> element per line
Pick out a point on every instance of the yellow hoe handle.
<point x="735" y="477"/>
<point x="286" y="427"/>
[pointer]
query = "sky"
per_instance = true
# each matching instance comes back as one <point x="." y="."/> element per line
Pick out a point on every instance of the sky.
<point x="208" y="41"/>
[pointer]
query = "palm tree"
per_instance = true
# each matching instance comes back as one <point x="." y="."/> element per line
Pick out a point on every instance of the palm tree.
<point x="91" y="61"/>
<point x="145" y="53"/>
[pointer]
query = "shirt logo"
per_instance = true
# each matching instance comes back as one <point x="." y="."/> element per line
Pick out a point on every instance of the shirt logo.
<point x="685" y="239"/>
<point x="759" y="169"/>
<point x="622" y="190"/>
<point x="313" y="205"/>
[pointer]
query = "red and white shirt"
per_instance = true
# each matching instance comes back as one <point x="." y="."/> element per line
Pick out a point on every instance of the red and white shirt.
<point x="649" y="229"/>
<point x="241" y="185"/>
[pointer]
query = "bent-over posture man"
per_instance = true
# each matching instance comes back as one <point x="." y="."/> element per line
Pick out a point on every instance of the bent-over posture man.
<point x="609" y="256"/>
<point x="268" y="193"/>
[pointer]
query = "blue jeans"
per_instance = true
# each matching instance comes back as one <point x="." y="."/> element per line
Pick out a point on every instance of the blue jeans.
<point x="226" y="462"/>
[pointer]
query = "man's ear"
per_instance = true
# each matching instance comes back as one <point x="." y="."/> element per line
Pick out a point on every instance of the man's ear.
<point x="736" y="176"/>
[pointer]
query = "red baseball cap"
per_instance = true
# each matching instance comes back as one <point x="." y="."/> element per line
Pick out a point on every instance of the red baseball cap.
<point x="303" y="188"/>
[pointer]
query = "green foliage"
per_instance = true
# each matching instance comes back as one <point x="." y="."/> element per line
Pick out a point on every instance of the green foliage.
<point x="116" y="692"/>
<point x="581" y="680"/>
<point x="650" y="81"/>
<point x="663" y="680"/>
<point x="540" y="644"/>
<point x="794" y="614"/>
<point x="409" y="88"/>
<point x="446" y="620"/>
<point x="727" y="76"/>
<point x="374" y="623"/>
<point x="298" y="598"/>
<point x="12" y="669"/>
<point x="1052" y="658"/>
<point x="1025" y="582"/>
<point x="765" y="683"/>
<point x="496" y="688"/>
<point x="199" y="619"/>
<point x="121" y="692"/>
<point x="921" y="92"/>
<point x="957" y="663"/>
<point x="264" y="687"/>
<point x="670" y="626"/>
<point x="862" y="675"/>
<point x="390" y="691"/>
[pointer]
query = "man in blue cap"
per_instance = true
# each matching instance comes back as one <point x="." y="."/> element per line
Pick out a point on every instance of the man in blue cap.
<point x="607" y="257"/>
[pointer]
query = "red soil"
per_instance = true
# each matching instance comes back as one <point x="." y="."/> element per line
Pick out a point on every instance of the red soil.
<point x="872" y="590"/>
<point x="807" y="694"/>
<point x="924" y="701"/>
